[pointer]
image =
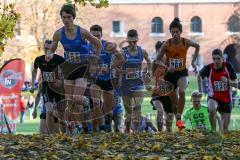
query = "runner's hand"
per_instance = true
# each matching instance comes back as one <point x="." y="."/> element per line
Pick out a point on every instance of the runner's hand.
<point x="104" y="69"/>
<point x="31" y="89"/>
<point x="224" y="79"/>
<point x="111" y="47"/>
<point x="194" y="68"/>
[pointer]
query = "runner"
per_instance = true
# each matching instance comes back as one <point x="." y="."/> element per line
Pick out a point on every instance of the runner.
<point x="48" y="65"/>
<point x="103" y="85"/>
<point x="221" y="77"/>
<point x="146" y="125"/>
<point x="132" y="84"/>
<point x="198" y="115"/>
<point x="76" y="52"/>
<point x="162" y="104"/>
<point x="175" y="50"/>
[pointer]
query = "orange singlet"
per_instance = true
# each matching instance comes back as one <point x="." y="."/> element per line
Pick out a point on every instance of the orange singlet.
<point x="177" y="58"/>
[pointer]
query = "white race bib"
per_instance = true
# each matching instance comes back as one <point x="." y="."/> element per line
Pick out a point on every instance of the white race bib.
<point x="73" y="57"/>
<point x="49" y="76"/>
<point x="220" y="86"/>
<point x="176" y="63"/>
<point x="133" y="73"/>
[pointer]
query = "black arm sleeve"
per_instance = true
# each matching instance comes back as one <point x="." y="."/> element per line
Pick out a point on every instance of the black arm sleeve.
<point x="205" y="71"/>
<point x="35" y="66"/>
<point x="231" y="71"/>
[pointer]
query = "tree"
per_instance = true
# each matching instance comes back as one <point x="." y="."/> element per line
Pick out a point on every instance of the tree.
<point x="99" y="4"/>
<point x="8" y="20"/>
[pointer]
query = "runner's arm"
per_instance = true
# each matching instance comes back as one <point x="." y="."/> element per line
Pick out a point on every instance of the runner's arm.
<point x="147" y="69"/>
<point x="203" y="73"/>
<point x="196" y="52"/>
<point x="233" y="77"/>
<point x="199" y="79"/>
<point x="34" y="74"/>
<point x="120" y="45"/>
<point x="37" y="99"/>
<point x="95" y="42"/>
<point x="118" y="60"/>
<point x="162" y="51"/>
<point x="56" y="39"/>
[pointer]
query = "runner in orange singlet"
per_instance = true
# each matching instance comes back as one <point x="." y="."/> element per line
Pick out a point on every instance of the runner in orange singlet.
<point x="175" y="50"/>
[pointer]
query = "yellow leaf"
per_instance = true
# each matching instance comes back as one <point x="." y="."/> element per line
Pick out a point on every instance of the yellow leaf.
<point x="53" y="156"/>
<point x="207" y="157"/>
<point x="104" y="145"/>
<point x="190" y="146"/>
<point x="176" y="145"/>
<point x="156" y="147"/>
<point x="1" y="148"/>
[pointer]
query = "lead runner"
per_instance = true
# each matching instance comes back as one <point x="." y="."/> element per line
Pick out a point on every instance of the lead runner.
<point x="175" y="50"/>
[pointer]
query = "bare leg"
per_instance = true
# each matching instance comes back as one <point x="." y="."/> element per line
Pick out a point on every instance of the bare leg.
<point x="49" y="118"/>
<point x="182" y="85"/>
<point x="97" y="114"/>
<point x="43" y="127"/>
<point x="226" y="117"/>
<point x="108" y="101"/>
<point x="127" y="103"/>
<point x="169" y="121"/>
<point x="158" y="105"/>
<point x="137" y="113"/>
<point x="212" y="107"/>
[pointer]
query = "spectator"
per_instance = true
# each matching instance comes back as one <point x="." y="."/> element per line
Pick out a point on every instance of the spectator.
<point x="22" y="110"/>
<point x="30" y="106"/>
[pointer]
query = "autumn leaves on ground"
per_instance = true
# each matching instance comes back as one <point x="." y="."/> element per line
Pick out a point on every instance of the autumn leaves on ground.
<point x="185" y="145"/>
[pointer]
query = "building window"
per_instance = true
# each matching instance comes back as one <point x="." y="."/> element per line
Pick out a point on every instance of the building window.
<point x="196" y="24"/>
<point x="116" y="28"/>
<point x="157" y="25"/>
<point x="234" y="24"/>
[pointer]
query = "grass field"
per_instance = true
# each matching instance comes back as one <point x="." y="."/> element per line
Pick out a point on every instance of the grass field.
<point x="31" y="126"/>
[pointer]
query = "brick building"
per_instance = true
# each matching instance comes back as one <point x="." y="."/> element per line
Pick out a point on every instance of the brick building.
<point x="212" y="23"/>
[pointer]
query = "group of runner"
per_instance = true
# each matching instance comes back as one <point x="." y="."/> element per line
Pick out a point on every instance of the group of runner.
<point x="94" y="73"/>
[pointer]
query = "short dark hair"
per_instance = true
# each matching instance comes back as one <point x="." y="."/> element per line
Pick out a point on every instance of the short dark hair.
<point x="158" y="45"/>
<point x="48" y="41"/>
<point x="96" y="27"/>
<point x="132" y="33"/>
<point x="217" y="51"/>
<point x="69" y="9"/>
<point x="176" y="24"/>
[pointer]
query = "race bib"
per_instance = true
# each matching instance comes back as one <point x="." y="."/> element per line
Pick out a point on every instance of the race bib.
<point x="49" y="76"/>
<point x="220" y="86"/>
<point x="164" y="88"/>
<point x="73" y="57"/>
<point x="176" y="63"/>
<point x="133" y="73"/>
